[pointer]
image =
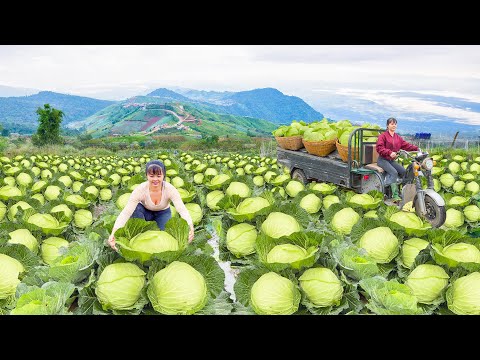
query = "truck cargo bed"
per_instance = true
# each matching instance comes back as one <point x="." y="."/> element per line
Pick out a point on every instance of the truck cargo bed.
<point x="328" y="168"/>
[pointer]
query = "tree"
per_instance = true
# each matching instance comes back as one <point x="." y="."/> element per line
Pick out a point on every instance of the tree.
<point x="48" y="131"/>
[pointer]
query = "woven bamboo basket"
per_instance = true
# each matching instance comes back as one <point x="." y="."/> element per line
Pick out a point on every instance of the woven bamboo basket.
<point x="320" y="148"/>
<point x="343" y="152"/>
<point x="290" y="142"/>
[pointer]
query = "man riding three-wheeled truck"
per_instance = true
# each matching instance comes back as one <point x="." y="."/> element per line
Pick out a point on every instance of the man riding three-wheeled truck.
<point x="361" y="174"/>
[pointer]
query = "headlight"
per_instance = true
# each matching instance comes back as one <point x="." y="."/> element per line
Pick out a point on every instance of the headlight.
<point x="428" y="164"/>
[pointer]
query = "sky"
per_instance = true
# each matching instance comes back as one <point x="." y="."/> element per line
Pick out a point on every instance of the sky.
<point x="116" y="72"/>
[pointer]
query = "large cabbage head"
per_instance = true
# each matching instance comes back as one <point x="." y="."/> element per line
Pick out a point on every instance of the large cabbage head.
<point x="10" y="268"/>
<point x="408" y="220"/>
<point x="294" y="187"/>
<point x="410" y="249"/>
<point x="463" y="297"/>
<point x="321" y="286"/>
<point x="329" y="200"/>
<point x="427" y="282"/>
<point x="122" y="200"/>
<point x="154" y="241"/>
<point x="195" y="211"/>
<point x="62" y="208"/>
<point x="324" y="188"/>
<point x="447" y="180"/>
<point x="178" y="182"/>
<point x="458" y="186"/>
<point x="344" y="220"/>
<point x="311" y="203"/>
<point x="52" y="192"/>
<point x="454" y="219"/>
<point x="50" y="248"/>
<point x="14" y="209"/>
<point x="92" y="190"/>
<point x="258" y="180"/>
<point x="241" y="239"/>
<point x="366" y="201"/>
<point x="178" y="289"/>
<point x="82" y="218"/>
<point x="471" y="212"/>
<point x="380" y="243"/>
<point x="472" y="187"/>
<point x="273" y="294"/>
<point x="213" y="197"/>
<point x="278" y="224"/>
<point x="119" y="286"/>
<point x="286" y="254"/>
<point x="65" y="180"/>
<point x="105" y="194"/>
<point x="252" y="205"/>
<point x="24" y="179"/>
<point x="24" y="237"/>
<point x="198" y="178"/>
<point x="8" y="191"/>
<point x="47" y="223"/>
<point x="454" y="167"/>
<point x="462" y="252"/>
<point x="238" y="188"/>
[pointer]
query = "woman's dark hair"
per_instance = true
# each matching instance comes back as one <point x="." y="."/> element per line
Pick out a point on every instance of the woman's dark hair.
<point x="391" y="120"/>
<point x="155" y="167"/>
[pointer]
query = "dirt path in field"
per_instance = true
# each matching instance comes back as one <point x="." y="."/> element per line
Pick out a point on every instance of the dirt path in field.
<point x="230" y="274"/>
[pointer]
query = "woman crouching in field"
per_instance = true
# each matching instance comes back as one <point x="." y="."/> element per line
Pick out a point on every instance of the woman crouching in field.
<point x="151" y="201"/>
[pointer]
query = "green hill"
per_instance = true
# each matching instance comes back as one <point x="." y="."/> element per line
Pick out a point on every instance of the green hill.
<point x="150" y="115"/>
<point x="18" y="113"/>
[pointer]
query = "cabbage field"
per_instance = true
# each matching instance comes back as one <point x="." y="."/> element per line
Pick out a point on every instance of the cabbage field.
<point x="264" y="243"/>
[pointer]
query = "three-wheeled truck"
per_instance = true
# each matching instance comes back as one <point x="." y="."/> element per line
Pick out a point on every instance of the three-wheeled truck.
<point x="362" y="174"/>
<point x="359" y="173"/>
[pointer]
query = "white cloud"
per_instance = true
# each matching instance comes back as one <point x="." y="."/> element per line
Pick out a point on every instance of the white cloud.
<point x="411" y="104"/>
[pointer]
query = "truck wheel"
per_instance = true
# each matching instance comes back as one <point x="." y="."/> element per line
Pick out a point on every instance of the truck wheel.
<point x="435" y="215"/>
<point x="299" y="175"/>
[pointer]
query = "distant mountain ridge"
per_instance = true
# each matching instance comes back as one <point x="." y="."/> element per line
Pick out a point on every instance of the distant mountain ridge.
<point x="19" y="113"/>
<point x="265" y="103"/>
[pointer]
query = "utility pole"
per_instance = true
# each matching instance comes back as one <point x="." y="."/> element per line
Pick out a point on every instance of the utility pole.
<point x="454" y="138"/>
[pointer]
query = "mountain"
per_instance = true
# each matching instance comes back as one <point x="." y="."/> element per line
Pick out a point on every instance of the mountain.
<point x="267" y="103"/>
<point x="152" y="115"/>
<point x="168" y="95"/>
<point x="18" y="114"/>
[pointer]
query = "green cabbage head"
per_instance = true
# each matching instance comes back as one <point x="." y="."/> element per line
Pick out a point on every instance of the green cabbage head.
<point x="238" y="188"/>
<point x="154" y="241"/>
<point x="24" y="237"/>
<point x="82" y="218"/>
<point x="122" y="200"/>
<point x="241" y="239"/>
<point x="311" y="203"/>
<point x="427" y="282"/>
<point x="10" y="269"/>
<point x="273" y="294"/>
<point x="463" y="297"/>
<point x="119" y="286"/>
<point x="321" y="286"/>
<point x="329" y="200"/>
<point x="294" y="187"/>
<point x="195" y="211"/>
<point x="410" y="249"/>
<point x="278" y="224"/>
<point x="286" y="254"/>
<point x="462" y="252"/>
<point x="380" y="243"/>
<point x="178" y="289"/>
<point x="471" y="212"/>
<point x="50" y="248"/>
<point x="454" y="219"/>
<point x="213" y="197"/>
<point x="344" y="220"/>
<point x="252" y="205"/>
